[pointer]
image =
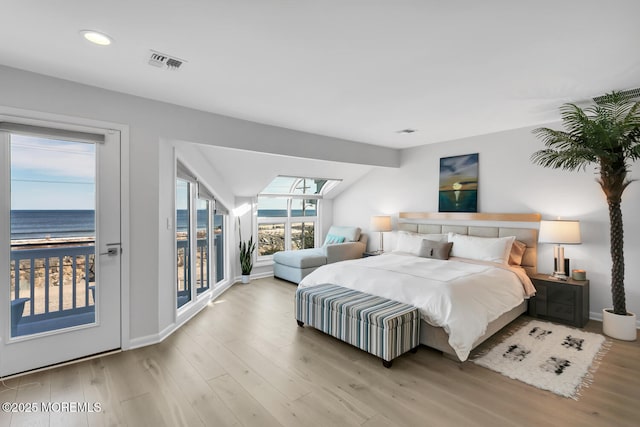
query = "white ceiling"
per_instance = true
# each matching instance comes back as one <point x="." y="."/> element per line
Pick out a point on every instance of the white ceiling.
<point x="353" y="69"/>
<point x="259" y="169"/>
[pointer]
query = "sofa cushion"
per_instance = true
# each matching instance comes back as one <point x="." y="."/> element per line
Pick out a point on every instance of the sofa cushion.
<point x="351" y="234"/>
<point x="333" y="239"/>
<point x="304" y="258"/>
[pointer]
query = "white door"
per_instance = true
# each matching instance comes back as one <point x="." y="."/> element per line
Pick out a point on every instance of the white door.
<point x="59" y="245"/>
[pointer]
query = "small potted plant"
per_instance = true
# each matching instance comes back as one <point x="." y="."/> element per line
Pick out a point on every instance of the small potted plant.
<point x="246" y="255"/>
<point x="606" y="134"/>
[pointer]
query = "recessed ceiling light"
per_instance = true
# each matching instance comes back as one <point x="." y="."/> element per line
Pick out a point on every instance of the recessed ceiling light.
<point x="96" y="37"/>
<point x="406" y="131"/>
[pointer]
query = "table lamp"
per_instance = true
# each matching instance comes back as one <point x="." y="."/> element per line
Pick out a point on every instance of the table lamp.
<point x="559" y="232"/>
<point x="381" y="224"/>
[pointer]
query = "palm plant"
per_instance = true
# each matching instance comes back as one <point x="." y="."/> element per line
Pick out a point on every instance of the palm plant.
<point x="606" y="134"/>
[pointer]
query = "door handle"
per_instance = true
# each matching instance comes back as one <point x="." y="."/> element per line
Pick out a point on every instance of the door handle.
<point x="113" y="250"/>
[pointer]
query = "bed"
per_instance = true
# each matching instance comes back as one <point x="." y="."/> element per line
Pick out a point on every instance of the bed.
<point x="462" y="301"/>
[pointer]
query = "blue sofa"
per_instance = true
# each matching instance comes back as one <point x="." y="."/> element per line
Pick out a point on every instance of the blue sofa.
<point x="295" y="265"/>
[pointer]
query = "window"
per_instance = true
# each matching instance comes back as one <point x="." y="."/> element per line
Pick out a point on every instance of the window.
<point x="198" y="214"/>
<point x="288" y="213"/>
<point x="52" y="223"/>
<point x="215" y="242"/>
<point x="272" y="222"/>
<point x="302" y="207"/>
<point x="183" y="240"/>
<point x="218" y="243"/>
<point x="271" y="237"/>
<point x="302" y="235"/>
<point x="202" y="253"/>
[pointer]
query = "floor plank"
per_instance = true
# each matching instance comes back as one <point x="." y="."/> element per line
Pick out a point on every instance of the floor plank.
<point x="33" y="389"/>
<point x="8" y="393"/>
<point x="248" y="410"/>
<point x="193" y="385"/>
<point x="243" y="361"/>
<point x="98" y="387"/>
<point x="66" y="388"/>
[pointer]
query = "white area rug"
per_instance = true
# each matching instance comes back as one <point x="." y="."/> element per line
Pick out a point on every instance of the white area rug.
<point x="548" y="356"/>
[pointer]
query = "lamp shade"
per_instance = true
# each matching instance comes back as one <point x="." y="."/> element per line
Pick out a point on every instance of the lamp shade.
<point x="560" y="232"/>
<point x="381" y="223"/>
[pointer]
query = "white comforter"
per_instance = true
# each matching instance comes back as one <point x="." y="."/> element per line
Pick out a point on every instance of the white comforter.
<point x="459" y="295"/>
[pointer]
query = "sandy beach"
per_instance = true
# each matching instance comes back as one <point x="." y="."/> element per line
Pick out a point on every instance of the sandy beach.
<point x="271" y="237"/>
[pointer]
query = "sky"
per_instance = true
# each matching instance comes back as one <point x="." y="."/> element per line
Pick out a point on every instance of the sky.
<point x="48" y="174"/>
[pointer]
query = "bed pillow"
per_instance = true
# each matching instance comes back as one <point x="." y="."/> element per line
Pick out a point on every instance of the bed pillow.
<point x="444" y="238"/>
<point x="493" y="249"/>
<point x="435" y="250"/>
<point x="332" y="239"/>
<point x="410" y="242"/>
<point x="517" y="252"/>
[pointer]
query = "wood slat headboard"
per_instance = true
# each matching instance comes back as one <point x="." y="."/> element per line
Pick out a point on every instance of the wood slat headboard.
<point x="468" y="216"/>
<point x="426" y="223"/>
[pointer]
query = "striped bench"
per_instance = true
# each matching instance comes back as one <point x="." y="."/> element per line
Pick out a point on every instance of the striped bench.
<point x="374" y="324"/>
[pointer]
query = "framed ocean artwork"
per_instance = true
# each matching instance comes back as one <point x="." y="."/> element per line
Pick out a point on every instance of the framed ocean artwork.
<point x="458" y="191"/>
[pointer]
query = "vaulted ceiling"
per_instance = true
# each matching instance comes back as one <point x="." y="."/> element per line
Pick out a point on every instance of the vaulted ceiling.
<point x="259" y="169"/>
<point x="354" y="69"/>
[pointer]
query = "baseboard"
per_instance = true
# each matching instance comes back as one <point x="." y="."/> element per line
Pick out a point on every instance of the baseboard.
<point x="183" y="318"/>
<point x="256" y="276"/>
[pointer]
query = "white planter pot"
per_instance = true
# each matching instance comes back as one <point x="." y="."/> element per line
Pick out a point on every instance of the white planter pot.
<point x="618" y="326"/>
<point x="245" y="278"/>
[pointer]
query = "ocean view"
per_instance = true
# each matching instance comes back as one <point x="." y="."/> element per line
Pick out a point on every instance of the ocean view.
<point x="273" y="213"/>
<point x="42" y="224"/>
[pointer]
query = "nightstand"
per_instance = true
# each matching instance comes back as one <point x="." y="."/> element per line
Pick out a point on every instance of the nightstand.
<point x="559" y="300"/>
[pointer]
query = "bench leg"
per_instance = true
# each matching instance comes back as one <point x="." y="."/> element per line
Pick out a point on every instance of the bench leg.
<point x="300" y="323"/>
<point x="387" y="363"/>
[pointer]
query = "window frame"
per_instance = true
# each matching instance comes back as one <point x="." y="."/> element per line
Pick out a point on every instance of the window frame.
<point x="208" y="271"/>
<point x="288" y="220"/>
<point x="197" y="192"/>
<point x="223" y="244"/>
<point x="190" y="233"/>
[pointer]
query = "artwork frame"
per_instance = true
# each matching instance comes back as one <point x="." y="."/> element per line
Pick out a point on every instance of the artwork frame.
<point x="458" y="190"/>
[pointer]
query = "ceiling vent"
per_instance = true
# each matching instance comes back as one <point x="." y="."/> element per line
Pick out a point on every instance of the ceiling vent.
<point x="162" y="60"/>
<point x="631" y="93"/>
<point x="407" y="131"/>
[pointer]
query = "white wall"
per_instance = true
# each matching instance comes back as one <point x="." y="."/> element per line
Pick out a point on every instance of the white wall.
<point x="150" y="122"/>
<point x="509" y="182"/>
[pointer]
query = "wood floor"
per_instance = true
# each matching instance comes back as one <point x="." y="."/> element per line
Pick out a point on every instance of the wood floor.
<point x="244" y="361"/>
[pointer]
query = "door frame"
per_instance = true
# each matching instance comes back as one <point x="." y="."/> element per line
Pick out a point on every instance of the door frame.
<point x="39" y="118"/>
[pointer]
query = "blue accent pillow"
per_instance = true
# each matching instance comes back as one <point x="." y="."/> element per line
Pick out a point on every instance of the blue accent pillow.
<point x="332" y="238"/>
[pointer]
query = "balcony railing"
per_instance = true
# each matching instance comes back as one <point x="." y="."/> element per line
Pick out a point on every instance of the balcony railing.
<point x="52" y="288"/>
<point x="203" y="279"/>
